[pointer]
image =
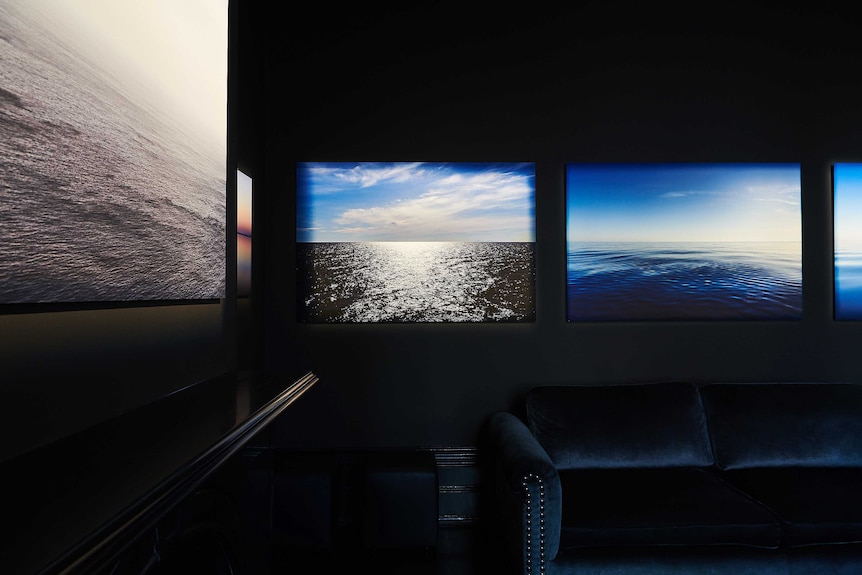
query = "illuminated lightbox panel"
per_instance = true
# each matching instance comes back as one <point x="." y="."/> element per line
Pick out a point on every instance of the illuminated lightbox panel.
<point x="710" y="241"/>
<point x="847" y="219"/>
<point x="113" y="123"/>
<point x="415" y="242"/>
<point x="244" y="190"/>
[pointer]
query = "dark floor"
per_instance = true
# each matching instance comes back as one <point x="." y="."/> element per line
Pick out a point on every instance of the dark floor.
<point x="458" y="552"/>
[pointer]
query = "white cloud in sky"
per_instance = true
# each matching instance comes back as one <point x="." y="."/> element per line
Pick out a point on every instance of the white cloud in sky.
<point x="783" y="194"/>
<point x="675" y="194"/>
<point x="454" y="207"/>
<point x="366" y="177"/>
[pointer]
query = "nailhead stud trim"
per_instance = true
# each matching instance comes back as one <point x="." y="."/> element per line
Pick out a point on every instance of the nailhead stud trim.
<point x="528" y="518"/>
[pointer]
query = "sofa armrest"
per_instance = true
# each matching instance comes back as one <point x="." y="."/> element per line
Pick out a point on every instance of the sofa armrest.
<point x="528" y="495"/>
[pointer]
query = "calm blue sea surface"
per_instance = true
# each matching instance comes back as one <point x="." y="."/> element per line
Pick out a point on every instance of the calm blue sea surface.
<point x="848" y="283"/>
<point x="353" y="282"/>
<point x="684" y="280"/>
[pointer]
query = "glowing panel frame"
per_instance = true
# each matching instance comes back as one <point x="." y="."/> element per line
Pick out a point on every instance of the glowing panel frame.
<point x="683" y="241"/>
<point x="847" y="240"/>
<point x="114" y="153"/>
<point x="415" y="242"/>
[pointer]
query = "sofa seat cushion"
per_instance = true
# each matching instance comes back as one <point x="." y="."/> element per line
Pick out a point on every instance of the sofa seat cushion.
<point x="815" y="505"/>
<point x="672" y="506"/>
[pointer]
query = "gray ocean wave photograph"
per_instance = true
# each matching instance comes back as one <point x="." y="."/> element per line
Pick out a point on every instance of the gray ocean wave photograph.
<point x="105" y="195"/>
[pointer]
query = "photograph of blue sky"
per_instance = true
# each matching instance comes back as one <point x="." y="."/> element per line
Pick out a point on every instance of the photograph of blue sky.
<point x="847" y="204"/>
<point x="415" y="201"/>
<point x="683" y="202"/>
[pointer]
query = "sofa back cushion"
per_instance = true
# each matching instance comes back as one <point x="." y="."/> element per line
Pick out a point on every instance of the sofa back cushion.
<point x="784" y="424"/>
<point x="620" y="426"/>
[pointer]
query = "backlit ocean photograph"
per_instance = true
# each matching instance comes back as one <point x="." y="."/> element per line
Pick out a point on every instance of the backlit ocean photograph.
<point x="244" y="190"/>
<point x="679" y="241"/>
<point x="847" y="219"/>
<point x="113" y="139"/>
<point x="415" y="242"/>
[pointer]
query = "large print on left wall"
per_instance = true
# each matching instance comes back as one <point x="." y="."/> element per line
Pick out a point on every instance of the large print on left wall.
<point x="113" y="138"/>
<point x="415" y="242"/>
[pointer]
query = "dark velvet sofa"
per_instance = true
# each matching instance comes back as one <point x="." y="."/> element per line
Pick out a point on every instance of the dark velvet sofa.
<point x="680" y="478"/>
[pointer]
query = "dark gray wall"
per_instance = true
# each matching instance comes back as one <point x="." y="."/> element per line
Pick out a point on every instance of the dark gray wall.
<point x="64" y="371"/>
<point x="594" y="82"/>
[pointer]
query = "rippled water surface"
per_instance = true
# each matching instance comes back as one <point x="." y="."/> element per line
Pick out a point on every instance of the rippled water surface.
<point x="351" y="282"/>
<point x="100" y="197"/>
<point x="848" y="283"/>
<point x="686" y="280"/>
